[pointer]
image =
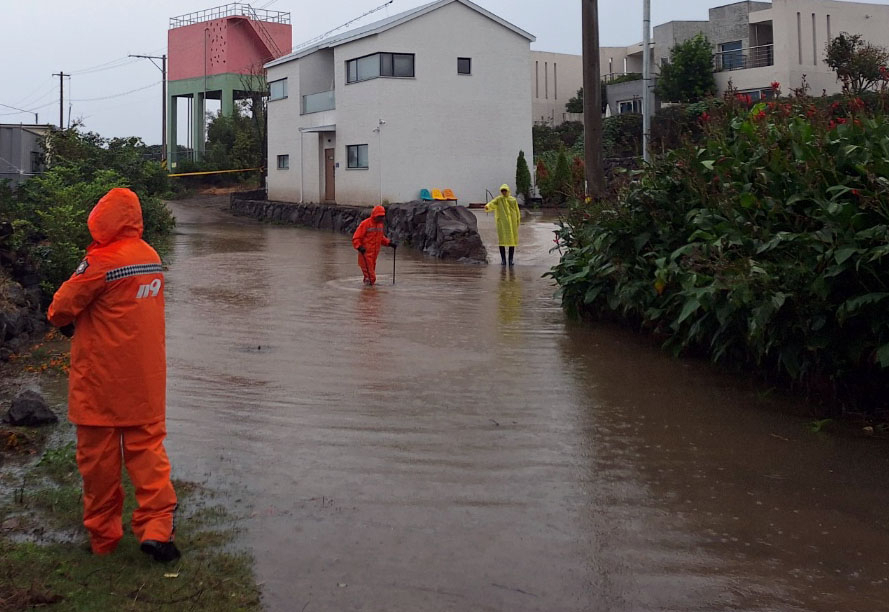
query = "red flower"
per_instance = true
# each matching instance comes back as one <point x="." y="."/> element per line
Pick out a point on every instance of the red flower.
<point x="841" y="120"/>
<point x="855" y="193"/>
<point x="776" y="85"/>
<point x="704" y="118"/>
<point x="832" y="124"/>
<point x="760" y="115"/>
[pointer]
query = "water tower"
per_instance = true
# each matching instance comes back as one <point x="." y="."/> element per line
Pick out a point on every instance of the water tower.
<point x="216" y="54"/>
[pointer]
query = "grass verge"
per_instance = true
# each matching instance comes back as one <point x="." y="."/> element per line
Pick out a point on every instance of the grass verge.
<point x="45" y="559"/>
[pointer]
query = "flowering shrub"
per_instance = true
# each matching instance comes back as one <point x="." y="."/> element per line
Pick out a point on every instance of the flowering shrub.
<point x="763" y="244"/>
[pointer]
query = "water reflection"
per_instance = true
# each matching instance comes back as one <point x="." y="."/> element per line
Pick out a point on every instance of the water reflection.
<point x="452" y="443"/>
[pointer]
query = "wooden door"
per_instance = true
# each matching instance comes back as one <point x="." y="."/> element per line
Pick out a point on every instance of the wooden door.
<point x="329" y="182"/>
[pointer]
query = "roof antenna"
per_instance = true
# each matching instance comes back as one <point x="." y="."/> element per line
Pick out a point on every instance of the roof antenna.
<point x="351" y="21"/>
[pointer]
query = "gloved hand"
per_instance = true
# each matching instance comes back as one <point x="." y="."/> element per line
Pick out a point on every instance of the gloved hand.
<point x="67" y="330"/>
<point x="362" y="250"/>
<point x="394" y="245"/>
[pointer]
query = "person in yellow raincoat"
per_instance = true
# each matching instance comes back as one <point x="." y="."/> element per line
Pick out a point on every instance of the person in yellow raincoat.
<point x="507" y="217"/>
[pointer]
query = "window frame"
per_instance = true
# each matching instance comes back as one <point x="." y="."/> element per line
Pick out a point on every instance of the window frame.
<point x="285" y="158"/>
<point x="357" y="148"/>
<point x="383" y="58"/>
<point x="635" y="103"/>
<point x="464" y="59"/>
<point x="272" y="97"/>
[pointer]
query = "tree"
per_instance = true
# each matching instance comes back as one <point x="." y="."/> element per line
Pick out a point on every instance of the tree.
<point x="688" y="76"/>
<point x="575" y="104"/>
<point x="522" y="177"/>
<point x="561" y="181"/>
<point x="858" y="64"/>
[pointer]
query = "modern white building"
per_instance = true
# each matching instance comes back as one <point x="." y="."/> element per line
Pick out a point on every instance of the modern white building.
<point x="435" y="97"/>
<point x="754" y="44"/>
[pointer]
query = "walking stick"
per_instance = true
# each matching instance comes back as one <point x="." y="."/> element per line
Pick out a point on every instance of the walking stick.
<point x="393" y="264"/>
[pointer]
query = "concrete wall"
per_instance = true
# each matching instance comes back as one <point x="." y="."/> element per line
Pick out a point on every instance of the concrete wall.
<point x="803" y="38"/>
<point x="443" y="129"/>
<point x="668" y="35"/>
<point x="555" y="79"/>
<point x="317" y="73"/>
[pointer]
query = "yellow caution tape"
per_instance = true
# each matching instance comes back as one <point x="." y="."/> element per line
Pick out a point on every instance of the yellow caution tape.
<point x="215" y="172"/>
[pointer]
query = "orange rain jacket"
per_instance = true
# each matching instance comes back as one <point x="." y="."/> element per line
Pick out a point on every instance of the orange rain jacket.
<point x="116" y="299"/>
<point x="370" y="235"/>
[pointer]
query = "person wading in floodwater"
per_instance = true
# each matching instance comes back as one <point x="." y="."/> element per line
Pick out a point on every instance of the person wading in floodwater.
<point x="367" y="239"/>
<point x="118" y="381"/>
<point x="507" y="216"/>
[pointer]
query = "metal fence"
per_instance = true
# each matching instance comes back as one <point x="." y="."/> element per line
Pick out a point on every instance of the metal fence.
<point x="235" y="9"/>
<point x="740" y="59"/>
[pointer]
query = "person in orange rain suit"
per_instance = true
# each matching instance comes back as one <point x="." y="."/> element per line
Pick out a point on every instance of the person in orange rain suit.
<point x="367" y="239"/>
<point x="117" y="383"/>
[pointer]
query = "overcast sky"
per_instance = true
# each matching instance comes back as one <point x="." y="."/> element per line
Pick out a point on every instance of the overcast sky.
<point x="91" y="41"/>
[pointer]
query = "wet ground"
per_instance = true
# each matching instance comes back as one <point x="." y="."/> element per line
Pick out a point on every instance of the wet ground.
<point x="452" y="442"/>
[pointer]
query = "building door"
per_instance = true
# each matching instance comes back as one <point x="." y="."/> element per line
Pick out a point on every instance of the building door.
<point x="329" y="169"/>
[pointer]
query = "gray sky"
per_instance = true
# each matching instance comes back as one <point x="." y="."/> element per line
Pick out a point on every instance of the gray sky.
<point x="91" y="40"/>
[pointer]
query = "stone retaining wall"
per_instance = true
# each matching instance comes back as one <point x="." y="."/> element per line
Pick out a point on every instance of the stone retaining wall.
<point x="439" y="229"/>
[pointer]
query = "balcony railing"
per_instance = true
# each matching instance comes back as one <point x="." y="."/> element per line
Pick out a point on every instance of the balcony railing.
<point x="317" y="102"/>
<point x="741" y="59"/>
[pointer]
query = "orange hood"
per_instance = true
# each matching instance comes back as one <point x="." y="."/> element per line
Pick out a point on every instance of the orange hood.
<point x="378" y="212"/>
<point x="117" y="215"/>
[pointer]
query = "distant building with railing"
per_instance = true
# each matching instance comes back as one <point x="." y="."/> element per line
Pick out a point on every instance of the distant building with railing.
<point x="754" y="45"/>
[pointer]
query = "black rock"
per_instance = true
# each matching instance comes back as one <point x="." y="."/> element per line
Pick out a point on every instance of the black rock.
<point x="30" y="409"/>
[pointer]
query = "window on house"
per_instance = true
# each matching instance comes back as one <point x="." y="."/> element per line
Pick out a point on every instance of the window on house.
<point x="732" y="57"/>
<point x="630" y="106"/>
<point x="278" y="89"/>
<point x="464" y="65"/>
<point x="283" y="162"/>
<point x="36" y="162"/>
<point x="380" y="64"/>
<point x="356" y="156"/>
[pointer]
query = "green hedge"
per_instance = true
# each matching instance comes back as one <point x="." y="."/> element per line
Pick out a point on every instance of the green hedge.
<point x="764" y="245"/>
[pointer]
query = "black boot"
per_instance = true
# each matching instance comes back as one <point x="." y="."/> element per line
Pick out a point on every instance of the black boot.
<point x="502" y="256"/>
<point x="511" y="254"/>
<point x="163" y="552"/>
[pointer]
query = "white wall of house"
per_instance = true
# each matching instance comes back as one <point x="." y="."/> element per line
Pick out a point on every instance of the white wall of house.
<point x="442" y="130"/>
<point x="555" y="79"/>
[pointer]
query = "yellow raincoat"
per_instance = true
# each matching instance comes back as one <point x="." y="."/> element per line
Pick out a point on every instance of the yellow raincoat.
<point x="507" y="217"/>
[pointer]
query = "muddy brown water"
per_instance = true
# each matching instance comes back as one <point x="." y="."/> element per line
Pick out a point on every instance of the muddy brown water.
<point x="453" y="442"/>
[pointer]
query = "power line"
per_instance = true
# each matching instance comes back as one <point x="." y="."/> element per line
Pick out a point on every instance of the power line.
<point x="117" y="95"/>
<point x="36" y="108"/>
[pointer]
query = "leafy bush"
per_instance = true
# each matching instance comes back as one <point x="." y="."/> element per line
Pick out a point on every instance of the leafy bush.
<point x="48" y="212"/>
<point x="688" y="76"/>
<point x="765" y="245"/>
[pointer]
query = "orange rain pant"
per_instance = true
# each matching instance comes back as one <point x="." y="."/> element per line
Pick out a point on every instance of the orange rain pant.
<point x="99" y="461"/>
<point x="368" y="264"/>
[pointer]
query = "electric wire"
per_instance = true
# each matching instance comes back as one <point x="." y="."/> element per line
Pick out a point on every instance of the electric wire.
<point x="117" y="95"/>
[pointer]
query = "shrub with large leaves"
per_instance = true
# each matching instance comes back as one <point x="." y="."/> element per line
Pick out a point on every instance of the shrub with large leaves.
<point x="765" y="244"/>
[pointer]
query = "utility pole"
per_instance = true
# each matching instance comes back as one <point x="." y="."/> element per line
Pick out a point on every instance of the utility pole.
<point x="647" y="110"/>
<point x="592" y="99"/>
<point x="163" y="69"/>
<point x="61" y="76"/>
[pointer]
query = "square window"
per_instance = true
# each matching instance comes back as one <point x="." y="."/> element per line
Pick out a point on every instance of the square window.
<point x="403" y="64"/>
<point x="356" y="156"/>
<point x="278" y="89"/>
<point x="464" y="65"/>
<point x="283" y="162"/>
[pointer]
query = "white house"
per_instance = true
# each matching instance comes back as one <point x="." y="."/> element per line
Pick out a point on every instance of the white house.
<point x="435" y="97"/>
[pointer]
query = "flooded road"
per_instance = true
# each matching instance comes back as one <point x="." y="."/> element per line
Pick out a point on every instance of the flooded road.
<point x="452" y="442"/>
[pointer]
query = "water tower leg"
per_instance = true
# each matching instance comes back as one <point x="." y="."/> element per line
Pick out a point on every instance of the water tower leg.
<point x="228" y="102"/>
<point x="172" y="123"/>
<point x="197" y="125"/>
